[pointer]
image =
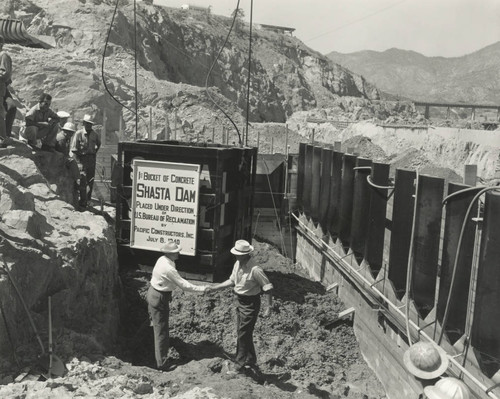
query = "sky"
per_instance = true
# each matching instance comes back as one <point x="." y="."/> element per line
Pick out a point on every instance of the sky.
<point x="448" y="28"/>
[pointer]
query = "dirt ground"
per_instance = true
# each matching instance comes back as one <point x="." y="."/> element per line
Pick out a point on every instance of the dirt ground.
<point x="301" y="352"/>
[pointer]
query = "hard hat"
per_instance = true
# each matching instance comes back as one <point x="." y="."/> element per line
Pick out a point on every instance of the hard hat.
<point x="448" y="388"/>
<point x="68" y="126"/>
<point x="425" y="360"/>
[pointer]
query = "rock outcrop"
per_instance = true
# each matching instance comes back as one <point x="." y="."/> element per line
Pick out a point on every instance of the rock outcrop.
<point x="50" y="249"/>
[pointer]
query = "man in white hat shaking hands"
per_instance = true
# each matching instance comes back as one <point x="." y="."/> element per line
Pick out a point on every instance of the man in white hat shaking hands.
<point x="249" y="281"/>
<point x="84" y="147"/>
<point x="164" y="280"/>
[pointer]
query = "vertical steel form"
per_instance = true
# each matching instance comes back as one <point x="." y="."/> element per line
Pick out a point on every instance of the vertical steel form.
<point x="455" y="213"/>
<point x="346" y="198"/>
<point x="300" y="174"/>
<point x="361" y="207"/>
<point x="306" y="194"/>
<point x="402" y="218"/>
<point x="486" y="323"/>
<point x="374" y="251"/>
<point x="326" y="177"/>
<point x="426" y="242"/>
<point x="316" y="183"/>
<point x="333" y="215"/>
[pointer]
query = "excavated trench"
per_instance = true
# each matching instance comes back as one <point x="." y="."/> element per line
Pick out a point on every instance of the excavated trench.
<point x="301" y="347"/>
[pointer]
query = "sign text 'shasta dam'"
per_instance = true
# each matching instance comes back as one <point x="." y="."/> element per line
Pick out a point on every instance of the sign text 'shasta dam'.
<point x="163" y="193"/>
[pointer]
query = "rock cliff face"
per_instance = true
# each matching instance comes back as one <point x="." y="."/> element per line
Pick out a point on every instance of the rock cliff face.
<point x="51" y="249"/>
<point x="175" y="51"/>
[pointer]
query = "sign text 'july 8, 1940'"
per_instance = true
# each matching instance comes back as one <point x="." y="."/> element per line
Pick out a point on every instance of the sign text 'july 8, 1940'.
<point x="165" y="205"/>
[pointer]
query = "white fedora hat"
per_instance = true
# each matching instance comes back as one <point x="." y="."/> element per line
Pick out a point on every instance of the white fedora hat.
<point x="425" y="360"/>
<point x="241" y="247"/>
<point x="87" y="119"/>
<point x="170" y="248"/>
<point x="447" y="388"/>
<point x="63" y="114"/>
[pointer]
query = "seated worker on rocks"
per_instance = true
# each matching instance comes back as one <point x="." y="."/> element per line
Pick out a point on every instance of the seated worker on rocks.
<point x="42" y="123"/>
<point x="63" y="145"/>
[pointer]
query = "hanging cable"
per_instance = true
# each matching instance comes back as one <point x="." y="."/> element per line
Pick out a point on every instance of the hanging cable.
<point x="409" y="269"/>
<point x="249" y="72"/>
<point x="275" y="210"/>
<point x="135" y="70"/>
<point x="104" y="57"/>
<point x="212" y="67"/>
<point x="457" y="256"/>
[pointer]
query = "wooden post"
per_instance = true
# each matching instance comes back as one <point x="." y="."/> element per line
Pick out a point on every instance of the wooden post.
<point x="175" y="125"/>
<point x="337" y="146"/>
<point x="470" y="175"/>
<point x="167" y="128"/>
<point x="213" y="135"/>
<point x="312" y="137"/>
<point x="258" y="138"/>
<point x="103" y="131"/>
<point x="120" y="123"/>
<point x="150" y="135"/>
<point x="286" y="142"/>
<point x="272" y="145"/>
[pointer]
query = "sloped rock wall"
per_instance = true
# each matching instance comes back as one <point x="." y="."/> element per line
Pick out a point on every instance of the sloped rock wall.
<point x="51" y="249"/>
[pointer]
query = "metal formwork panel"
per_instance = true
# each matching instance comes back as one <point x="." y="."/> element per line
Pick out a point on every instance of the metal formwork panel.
<point x="455" y="213"/>
<point x="346" y="198"/>
<point x="316" y="183"/>
<point x="333" y="216"/>
<point x="402" y="217"/>
<point x="326" y="177"/>
<point x="306" y="195"/>
<point x="361" y="207"/>
<point x="377" y="217"/>
<point x="426" y="242"/>
<point x="300" y="174"/>
<point x="486" y="320"/>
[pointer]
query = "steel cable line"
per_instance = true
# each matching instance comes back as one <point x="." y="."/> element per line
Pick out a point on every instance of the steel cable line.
<point x="212" y="67"/>
<point x="355" y="21"/>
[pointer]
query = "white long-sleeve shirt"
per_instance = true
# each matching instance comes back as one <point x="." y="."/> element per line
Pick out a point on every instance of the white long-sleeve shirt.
<point x="166" y="277"/>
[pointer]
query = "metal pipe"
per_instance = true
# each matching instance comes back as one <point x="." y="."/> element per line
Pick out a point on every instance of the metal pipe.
<point x="135" y="71"/>
<point x="249" y="73"/>
<point x="349" y="269"/>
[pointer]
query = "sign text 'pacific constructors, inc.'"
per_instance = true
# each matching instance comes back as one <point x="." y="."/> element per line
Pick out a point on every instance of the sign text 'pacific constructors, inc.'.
<point x="165" y="205"/>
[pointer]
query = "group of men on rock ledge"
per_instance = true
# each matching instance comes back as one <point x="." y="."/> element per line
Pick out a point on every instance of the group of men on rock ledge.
<point x="43" y="132"/>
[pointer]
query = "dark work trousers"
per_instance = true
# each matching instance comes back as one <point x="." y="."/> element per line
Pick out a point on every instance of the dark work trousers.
<point x="11" y="109"/>
<point x="159" y="309"/>
<point x="247" y="311"/>
<point x="88" y="161"/>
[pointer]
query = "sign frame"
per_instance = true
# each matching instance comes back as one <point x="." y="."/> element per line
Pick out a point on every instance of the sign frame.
<point x="160" y="192"/>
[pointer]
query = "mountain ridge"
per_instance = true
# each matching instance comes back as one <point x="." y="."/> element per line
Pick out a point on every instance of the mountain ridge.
<point x="471" y="78"/>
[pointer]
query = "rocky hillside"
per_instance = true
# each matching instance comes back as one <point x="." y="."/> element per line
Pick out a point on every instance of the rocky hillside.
<point x="175" y="51"/>
<point x="473" y="77"/>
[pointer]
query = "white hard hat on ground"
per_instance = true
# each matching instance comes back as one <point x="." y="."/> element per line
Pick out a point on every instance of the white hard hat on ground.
<point x="425" y="360"/>
<point x="447" y="388"/>
<point x="63" y="114"/>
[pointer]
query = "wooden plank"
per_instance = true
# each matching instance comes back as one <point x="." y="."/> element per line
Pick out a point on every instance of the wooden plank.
<point x="377" y="217"/>
<point x="402" y="218"/>
<point x="486" y="321"/>
<point x="346" y="198"/>
<point x="426" y="242"/>
<point x="455" y="213"/>
<point x="333" y="216"/>
<point x="324" y="200"/>
<point x="361" y="208"/>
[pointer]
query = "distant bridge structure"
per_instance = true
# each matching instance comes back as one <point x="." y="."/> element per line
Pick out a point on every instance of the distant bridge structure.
<point x="471" y="106"/>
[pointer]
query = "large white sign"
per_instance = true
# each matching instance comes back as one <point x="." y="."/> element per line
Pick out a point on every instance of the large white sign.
<point x="165" y="205"/>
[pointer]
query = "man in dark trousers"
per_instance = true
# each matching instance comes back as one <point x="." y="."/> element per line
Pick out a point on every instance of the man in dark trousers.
<point x="249" y="281"/>
<point x="42" y="124"/>
<point x="164" y="280"/>
<point x="84" y="147"/>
